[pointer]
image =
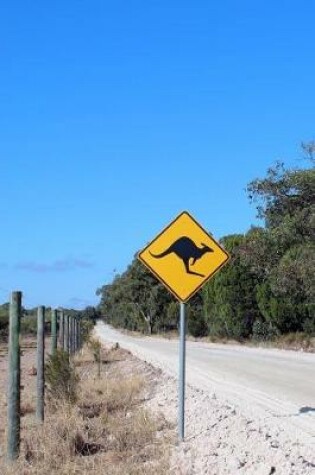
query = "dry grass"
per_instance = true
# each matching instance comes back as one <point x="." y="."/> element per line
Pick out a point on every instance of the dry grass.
<point x="296" y="341"/>
<point x="106" y="431"/>
<point x="27" y="408"/>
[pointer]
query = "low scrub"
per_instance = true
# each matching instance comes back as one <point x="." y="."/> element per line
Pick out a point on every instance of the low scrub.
<point x="61" y="378"/>
<point x="4" y="327"/>
<point x="29" y="325"/>
<point x="105" y="431"/>
<point x="264" y="331"/>
<point x="296" y="341"/>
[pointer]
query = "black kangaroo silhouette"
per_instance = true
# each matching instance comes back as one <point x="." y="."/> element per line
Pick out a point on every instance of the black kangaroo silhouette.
<point x="185" y="249"/>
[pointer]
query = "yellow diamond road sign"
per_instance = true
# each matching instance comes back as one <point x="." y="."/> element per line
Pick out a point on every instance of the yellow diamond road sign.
<point x="184" y="256"/>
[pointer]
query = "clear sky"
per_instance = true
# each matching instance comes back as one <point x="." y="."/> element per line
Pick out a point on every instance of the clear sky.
<point x="117" y="115"/>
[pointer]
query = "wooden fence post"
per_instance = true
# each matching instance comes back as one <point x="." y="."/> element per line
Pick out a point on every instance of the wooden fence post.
<point x="80" y="335"/>
<point x="53" y="331"/>
<point x="14" y="377"/>
<point x="61" y="329"/>
<point x="40" y="364"/>
<point x="77" y="335"/>
<point x="75" y="348"/>
<point x="66" y="333"/>
<point x="71" y="334"/>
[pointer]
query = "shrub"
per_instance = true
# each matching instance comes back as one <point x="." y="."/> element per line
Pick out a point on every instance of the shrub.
<point x="29" y="325"/>
<point x="86" y="328"/>
<point x="4" y="327"/>
<point x="264" y="331"/>
<point x="197" y="326"/>
<point x="61" y="377"/>
<point x="96" y="346"/>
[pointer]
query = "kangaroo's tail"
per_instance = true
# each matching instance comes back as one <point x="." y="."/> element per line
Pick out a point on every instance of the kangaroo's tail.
<point x="164" y="253"/>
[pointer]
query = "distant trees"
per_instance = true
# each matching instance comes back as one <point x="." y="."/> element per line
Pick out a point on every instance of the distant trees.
<point x="136" y="301"/>
<point x="90" y="313"/>
<point x="29" y="319"/>
<point x="268" y="288"/>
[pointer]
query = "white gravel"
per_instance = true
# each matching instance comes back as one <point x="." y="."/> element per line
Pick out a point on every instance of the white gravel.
<point x="224" y="437"/>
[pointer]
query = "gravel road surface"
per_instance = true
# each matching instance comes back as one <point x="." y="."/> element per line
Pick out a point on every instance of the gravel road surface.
<point x="272" y="389"/>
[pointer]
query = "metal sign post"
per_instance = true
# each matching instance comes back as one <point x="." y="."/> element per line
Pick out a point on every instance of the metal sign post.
<point x="184" y="256"/>
<point x="182" y="371"/>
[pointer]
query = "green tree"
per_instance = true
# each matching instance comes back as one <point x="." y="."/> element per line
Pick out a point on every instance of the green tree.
<point x="282" y="254"/>
<point x="229" y="298"/>
<point x="135" y="300"/>
<point x="196" y="321"/>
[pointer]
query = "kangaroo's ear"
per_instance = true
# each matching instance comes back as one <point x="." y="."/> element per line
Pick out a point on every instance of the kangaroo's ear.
<point x="204" y="245"/>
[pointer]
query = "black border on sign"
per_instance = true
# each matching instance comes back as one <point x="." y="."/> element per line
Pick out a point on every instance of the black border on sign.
<point x="162" y="280"/>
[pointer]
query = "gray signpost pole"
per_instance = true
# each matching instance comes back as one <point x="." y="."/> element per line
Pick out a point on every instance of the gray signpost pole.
<point x="182" y="237"/>
<point x="182" y="367"/>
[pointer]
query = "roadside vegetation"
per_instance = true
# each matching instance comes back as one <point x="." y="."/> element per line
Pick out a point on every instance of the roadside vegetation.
<point x="95" y="420"/>
<point x="267" y="291"/>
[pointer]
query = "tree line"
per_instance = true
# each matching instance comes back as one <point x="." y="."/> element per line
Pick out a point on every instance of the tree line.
<point x="29" y="318"/>
<point x="268" y="287"/>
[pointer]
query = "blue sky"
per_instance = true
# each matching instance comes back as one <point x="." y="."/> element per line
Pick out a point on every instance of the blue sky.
<point x="117" y="115"/>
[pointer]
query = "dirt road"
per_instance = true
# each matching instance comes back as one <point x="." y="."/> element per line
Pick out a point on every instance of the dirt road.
<point x="274" y="386"/>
